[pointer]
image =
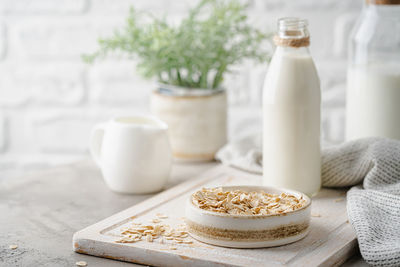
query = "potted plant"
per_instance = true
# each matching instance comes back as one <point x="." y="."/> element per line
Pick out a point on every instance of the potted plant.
<point x="189" y="61"/>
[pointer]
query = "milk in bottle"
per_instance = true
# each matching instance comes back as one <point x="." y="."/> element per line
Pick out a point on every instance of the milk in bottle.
<point x="373" y="76"/>
<point x="291" y="111"/>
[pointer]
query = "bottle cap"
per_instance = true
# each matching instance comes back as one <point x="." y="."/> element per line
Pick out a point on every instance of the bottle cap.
<point x="383" y="2"/>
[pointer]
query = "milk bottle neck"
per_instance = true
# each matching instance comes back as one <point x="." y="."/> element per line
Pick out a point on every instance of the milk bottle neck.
<point x="292" y="35"/>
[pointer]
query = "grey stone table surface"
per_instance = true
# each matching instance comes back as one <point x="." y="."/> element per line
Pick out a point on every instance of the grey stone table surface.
<point x="39" y="212"/>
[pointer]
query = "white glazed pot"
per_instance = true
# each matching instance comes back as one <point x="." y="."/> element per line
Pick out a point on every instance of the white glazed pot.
<point x="197" y="120"/>
<point x="133" y="153"/>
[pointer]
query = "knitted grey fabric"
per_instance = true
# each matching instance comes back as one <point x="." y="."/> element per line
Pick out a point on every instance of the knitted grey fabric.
<point x="373" y="208"/>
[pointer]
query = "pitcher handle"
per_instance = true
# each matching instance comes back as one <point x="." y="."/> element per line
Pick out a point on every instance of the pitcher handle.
<point x="96" y="140"/>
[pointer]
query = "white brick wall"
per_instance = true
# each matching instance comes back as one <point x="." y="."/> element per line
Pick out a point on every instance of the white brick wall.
<point x="43" y="7"/>
<point x="49" y="99"/>
<point x="115" y="83"/>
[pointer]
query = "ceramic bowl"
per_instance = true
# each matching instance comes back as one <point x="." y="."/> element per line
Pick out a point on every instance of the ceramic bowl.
<point x="249" y="231"/>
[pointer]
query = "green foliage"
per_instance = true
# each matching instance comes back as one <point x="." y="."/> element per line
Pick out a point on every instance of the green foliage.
<point x="195" y="54"/>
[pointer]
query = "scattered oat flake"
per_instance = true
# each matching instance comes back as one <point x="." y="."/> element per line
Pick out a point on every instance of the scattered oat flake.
<point x="141" y="232"/>
<point x="315" y="215"/>
<point x="13" y="246"/>
<point x="161" y="216"/>
<point x="81" y="263"/>
<point x="339" y="199"/>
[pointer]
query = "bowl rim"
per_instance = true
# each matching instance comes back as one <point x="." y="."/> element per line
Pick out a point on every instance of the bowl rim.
<point x="255" y="187"/>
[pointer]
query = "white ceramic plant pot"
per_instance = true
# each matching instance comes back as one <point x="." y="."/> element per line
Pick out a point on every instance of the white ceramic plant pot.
<point x="197" y="120"/>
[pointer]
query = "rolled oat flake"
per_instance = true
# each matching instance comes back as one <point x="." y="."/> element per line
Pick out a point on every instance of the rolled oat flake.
<point x="13" y="247"/>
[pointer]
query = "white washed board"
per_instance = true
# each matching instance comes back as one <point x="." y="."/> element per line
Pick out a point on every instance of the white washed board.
<point x="330" y="242"/>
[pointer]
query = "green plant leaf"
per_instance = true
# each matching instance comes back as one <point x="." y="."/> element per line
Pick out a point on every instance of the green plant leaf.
<point x="197" y="53"/>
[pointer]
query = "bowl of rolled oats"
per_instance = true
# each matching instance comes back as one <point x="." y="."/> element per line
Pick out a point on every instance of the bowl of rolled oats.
<point x="248" y="216"/>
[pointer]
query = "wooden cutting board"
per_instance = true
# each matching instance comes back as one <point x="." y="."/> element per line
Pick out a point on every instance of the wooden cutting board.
<point x="331" y="240"/>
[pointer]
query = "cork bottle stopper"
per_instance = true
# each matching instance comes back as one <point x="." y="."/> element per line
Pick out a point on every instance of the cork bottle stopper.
<point x="383" y="2"/>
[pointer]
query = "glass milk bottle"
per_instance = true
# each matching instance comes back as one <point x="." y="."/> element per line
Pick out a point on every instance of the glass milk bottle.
<point x="373" y="78"/>
<point x="291" y="111"/>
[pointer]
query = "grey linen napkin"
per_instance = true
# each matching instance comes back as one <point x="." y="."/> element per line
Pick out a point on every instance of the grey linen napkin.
<point x="373" y="208"/>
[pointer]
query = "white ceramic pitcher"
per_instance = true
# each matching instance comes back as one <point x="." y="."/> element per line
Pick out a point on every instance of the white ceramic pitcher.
<point x="133" y="153"/>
